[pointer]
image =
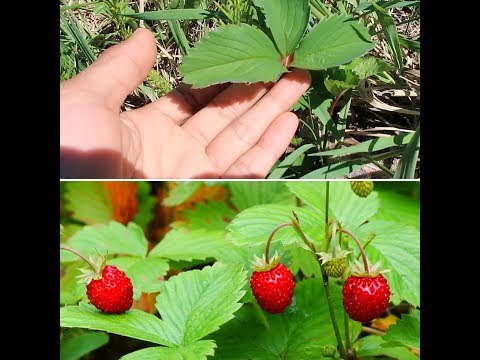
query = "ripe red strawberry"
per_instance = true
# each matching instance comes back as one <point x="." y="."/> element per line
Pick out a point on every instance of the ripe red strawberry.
<point x="273" y="288"/>
<point x="112" y="292"/>
<point x="365" y="297"/>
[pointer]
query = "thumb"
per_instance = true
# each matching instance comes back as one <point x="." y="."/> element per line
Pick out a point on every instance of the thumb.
<point x="120" y="68"/>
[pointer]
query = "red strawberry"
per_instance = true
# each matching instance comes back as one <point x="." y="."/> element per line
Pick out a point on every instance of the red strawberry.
<point x="113" y="292"/>
<point x="273" y="288"/>
<point x="365" y="297"/>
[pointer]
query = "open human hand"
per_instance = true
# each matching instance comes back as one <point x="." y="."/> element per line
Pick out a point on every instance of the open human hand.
<point x="223" y="131"/>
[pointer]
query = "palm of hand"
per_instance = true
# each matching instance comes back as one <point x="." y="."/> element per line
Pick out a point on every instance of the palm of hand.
<point x="228" y="131"/>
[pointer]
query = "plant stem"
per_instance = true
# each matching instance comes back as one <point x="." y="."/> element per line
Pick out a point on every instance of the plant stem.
<point x="362" y="251"/>
<point x="372" y="331"/>
<point x="333" y="238"/>
<point x="326" y="286"/>
<point x="68" y="248"/>
<point x="327" y="195"/>
<point x="267" y="248"/>
<point x="302" y="235"/>
<point x="347" y="331"/>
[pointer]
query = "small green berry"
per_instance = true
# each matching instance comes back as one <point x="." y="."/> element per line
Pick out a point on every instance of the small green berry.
<point x="328" y="351"/>
<point x="362" y="188"/>
<point x="335" y="267"/>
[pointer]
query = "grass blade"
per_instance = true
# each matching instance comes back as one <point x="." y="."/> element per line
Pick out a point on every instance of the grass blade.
<point x="283" y="166"/>
<point x="390" y="31"/>
<point x="408" y="162"/>
<point x="369" y="146"/>
<point x="70" y="27"/>
<point x="179" y="36"/>
<point x="343" y="114"/>
<point x="410" y="44"/>
<point x="335" y="170"/>
<point x="175" y="14"/>
<point x="386" y="5"/>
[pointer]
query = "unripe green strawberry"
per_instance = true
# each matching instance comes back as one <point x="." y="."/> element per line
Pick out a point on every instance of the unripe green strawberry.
<point x="365" y="297"/>
<point x="335" y="267"/>
<point x="362" y="188"/>
<point x="272" y="285"/>
<point x="328" y="351"/>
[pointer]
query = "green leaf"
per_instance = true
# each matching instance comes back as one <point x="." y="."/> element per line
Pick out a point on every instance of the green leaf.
<point x="71" y="291"/>
<point x="398" y="207"/>
<point x="146" y="203"/>
<point x="398" y="246"/>
<point x="287" y="20"/>
<point x="214" y="215"/>
<point x="409" y="44"/>
<point x="234" y="53"/>
<point x="368" y="66"/>
<point x="370" y="146"/>
<point x="406" y="331"/>
<point x="146" y="274"/>
<point x="252" y="226"/>
<point x="181" y="192"/>
<point x="391" y="35"/>
<point x="335" y="40"/>
<point x="299" y="333"/>
<point x="364" y="6"/>
<point x="73" y="345"/>
<point x="113" y="238"/>
<point x="279" y="170"/>
<point x="88" y="202"/>
<point x="374" y="345"/>
<point x="136" y="324"/>
<point x="345" y="206"/>
<point x="303" y="260"/>
<point x="188" y="245"/>
<point x="174" y="14"/>
<point x="198" y="350"/>
<point x="408" y="163"/>
<point x="337" y="87"/>
<point x="196" y="303"/>
<point x="247" y="194"/>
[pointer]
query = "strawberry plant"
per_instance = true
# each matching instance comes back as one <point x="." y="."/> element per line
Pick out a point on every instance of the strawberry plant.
<point x="250" y="270"/>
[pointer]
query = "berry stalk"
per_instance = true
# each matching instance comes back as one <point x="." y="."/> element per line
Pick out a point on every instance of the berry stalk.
<point x="79" y="254"/>
<point x="267" y="248"/>
<point x="359" y="244"/>
<point x="298" y="229"/>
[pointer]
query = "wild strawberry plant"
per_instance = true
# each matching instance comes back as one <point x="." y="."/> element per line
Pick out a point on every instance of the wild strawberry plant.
<point x="196" y="275"/>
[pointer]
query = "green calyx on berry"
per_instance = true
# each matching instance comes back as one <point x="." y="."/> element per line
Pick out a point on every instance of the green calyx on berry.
<point x="94" y="271"/>
<point x="358" y="269"/>
<point x="334" y="265"/>
<point x="362" y="188"/>
<point x="261" y="265"/>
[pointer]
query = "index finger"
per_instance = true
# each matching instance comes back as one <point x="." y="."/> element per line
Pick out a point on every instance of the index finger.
<point x="183" y="102"/>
